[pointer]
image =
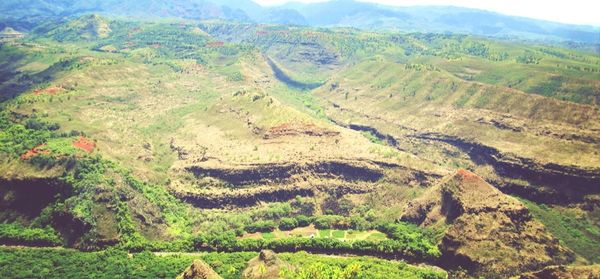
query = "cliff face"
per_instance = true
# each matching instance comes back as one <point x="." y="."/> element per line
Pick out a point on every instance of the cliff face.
<point x="565" y="183"/>
<point x="489" y="234"/>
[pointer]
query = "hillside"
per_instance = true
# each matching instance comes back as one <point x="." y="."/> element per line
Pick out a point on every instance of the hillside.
<point x="336" y="13"/>
<point x="136" y="141"/>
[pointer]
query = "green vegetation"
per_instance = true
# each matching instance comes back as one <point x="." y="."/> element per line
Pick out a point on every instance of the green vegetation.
<point x="373" y="138"/>
<point x="325" y="233"/>
<point x="43" y="263"/>
<point x="338" y="234"/>
<point x="141" y="133"/>
<point x="572" y="228"/>
<point x="363" y="267"/>
<point x="15" y="234"/>
<point x="405" y="241"/>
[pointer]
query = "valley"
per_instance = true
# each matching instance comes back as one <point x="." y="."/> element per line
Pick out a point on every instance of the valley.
<point x="136" y="147"/>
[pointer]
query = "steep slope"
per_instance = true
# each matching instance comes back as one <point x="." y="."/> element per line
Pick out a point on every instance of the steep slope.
<point x="494" y="126"/>
<point x="567" y="272"/>
<point x="489" y="233"/>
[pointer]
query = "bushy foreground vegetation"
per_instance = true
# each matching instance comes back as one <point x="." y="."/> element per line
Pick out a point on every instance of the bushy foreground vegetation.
<point x="15" y="234"/>
<point x="62" y="263"/>
<point x="312" y="267"/>
<point x="405" y="242"/>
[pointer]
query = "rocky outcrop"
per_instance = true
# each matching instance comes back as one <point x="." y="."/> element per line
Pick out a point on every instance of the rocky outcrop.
<point x="219" y="185"/>
<point x="298" y="130"/>
<point x="289" y="81"/>
<point x="266" y="266"/>
<point x="199" y="270"/>
<point x="278" y="173"/>
<point x="221" y="198"/>
<point x="241" y="198"/>
<point x="568" y="183"/>
<point x="564" y="272"/>
<point x="489" y="234"/>
<point x="389" y="139"/>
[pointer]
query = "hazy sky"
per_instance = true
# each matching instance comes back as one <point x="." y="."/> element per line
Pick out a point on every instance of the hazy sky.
<point x="567" y="11"/>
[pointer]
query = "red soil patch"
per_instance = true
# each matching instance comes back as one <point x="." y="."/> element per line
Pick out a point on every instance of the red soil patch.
<point x="34" y="152"/>
<point x="49" y="91"/>
<point x="466" y="175"/>
<point x="215" y="44"/>
<point x="85" y="144"/>
<point x="262" y="33"/>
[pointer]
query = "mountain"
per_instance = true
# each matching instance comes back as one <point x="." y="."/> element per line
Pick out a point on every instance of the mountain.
<point x="133" y="145"/>
<point x="481" y="217"/>
<point x="439" y="19"/>
<point x="335" y="13"/>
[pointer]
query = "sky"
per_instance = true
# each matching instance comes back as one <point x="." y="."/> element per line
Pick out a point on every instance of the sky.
<point x="565" y="11"/>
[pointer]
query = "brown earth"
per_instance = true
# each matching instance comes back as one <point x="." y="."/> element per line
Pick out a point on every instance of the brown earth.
<point x="489" y="233"/>
<point x="297" y="130"/>
<point x="84" y="144"/>
<point x="199" y="270"/>
<point x="49" y="91"/>
<point x="35" y="151"/>
<point x="564" y="272"/>
<point x="266" y="266"/>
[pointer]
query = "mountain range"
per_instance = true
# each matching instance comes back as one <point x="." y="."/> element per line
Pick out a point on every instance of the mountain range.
<point x="336" y="13"/>
<point x="143" y="139"/>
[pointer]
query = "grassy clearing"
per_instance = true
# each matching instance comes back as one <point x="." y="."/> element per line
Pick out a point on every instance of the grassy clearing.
<point x="324" y="233"/>
<point x="338" y="234"/>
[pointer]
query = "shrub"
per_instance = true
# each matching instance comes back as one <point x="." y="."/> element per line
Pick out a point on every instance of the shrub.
<point x="261" y="226"/>
<point x="303" y="221"/>
<point x="287" y="224"/>
<point x="16" y="234"/>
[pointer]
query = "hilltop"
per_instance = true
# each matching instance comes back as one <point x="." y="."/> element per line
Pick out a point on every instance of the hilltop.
<point x="480" y="219"/>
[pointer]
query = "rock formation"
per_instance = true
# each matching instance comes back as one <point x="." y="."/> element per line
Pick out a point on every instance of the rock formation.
<point x="564" y="272"/>
<point x="199" y="270"/>
<point x="266" y="266"/>
<point x="489" y="233"/>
